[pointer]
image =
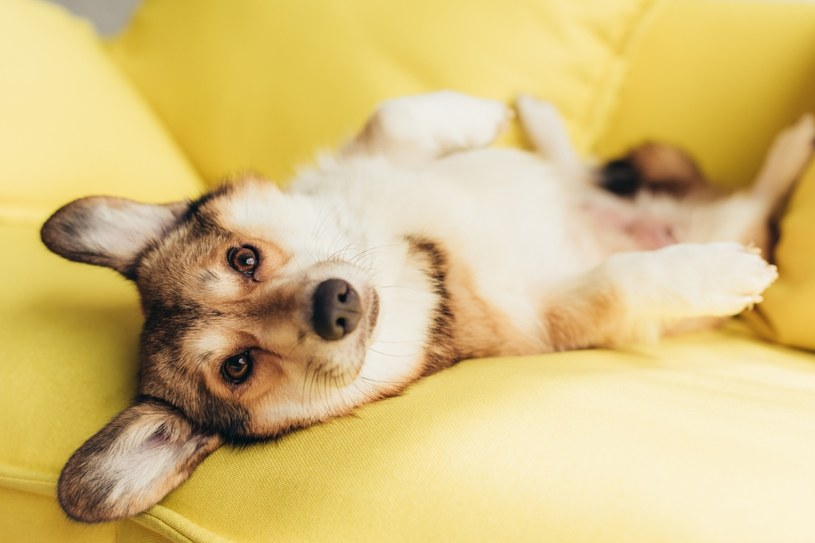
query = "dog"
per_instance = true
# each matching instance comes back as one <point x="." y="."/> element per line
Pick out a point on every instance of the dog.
<point x="412" y="247"/>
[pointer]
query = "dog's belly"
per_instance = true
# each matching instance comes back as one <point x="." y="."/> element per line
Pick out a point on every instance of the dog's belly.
<point x="511" y="228"/>
<point x="513" y="231"/>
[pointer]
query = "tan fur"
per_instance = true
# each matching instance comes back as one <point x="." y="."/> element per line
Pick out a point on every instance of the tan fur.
<point x="482" y="330"/>
<point x="589" y="320"/>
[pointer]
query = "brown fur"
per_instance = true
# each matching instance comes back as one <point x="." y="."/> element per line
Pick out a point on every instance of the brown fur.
<point x="587" y="319"/>
<point x="657" y="168"/>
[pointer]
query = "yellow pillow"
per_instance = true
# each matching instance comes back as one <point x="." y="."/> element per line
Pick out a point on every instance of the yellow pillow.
<point x="258" y="85"/>
<point x="70" y="124"/>
<point x="720" y="78"/>
<point x="788" y="312"/>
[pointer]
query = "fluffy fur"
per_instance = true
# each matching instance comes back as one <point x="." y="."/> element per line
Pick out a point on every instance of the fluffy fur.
<point x="452" y="250"/>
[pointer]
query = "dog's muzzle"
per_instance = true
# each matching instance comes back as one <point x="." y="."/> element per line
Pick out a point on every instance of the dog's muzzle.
<point x="336" y="309"/>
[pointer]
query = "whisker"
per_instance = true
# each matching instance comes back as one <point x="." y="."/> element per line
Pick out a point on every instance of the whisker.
<point x="305" y="378"/>
<point x="381" y="382"/>
<point x="402" y="342"/>
<point x="391" y="355"/>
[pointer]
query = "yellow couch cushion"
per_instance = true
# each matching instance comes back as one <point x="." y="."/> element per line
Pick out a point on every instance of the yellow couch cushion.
<point x="708" y="439"/>
<point x="258" y="85"/>
<point x="704" y="439"/>
<point x="70" y="123"/>
<point x="720" y="78"/>
<point x="787" y="314"/>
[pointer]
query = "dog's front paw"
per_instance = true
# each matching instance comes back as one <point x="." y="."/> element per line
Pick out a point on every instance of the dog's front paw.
<point x="444" y="122"/>
<point x="717" y="279"/>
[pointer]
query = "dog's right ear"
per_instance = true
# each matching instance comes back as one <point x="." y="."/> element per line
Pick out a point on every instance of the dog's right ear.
<point x="108" y="231"/>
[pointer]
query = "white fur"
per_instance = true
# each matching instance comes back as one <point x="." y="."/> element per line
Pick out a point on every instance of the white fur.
<point x="525" y="228"/>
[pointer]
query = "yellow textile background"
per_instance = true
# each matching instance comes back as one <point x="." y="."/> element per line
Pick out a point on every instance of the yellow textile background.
<point x="707" y="438"/>
<point x="71" y="124"/>
<point x="720" y="78"/>
<point x="258" y="85"/>
<point x="787" y="314"/>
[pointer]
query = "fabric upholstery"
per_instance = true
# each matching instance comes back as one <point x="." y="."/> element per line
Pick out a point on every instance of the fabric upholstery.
<point x="70" y="125"/>
<point x="787" y="314"/>
<point x="299" y="77"/>
<point x="705" y="438"/>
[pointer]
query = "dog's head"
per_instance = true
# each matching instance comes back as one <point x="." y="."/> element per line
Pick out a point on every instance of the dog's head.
<point x="255" y="302"/>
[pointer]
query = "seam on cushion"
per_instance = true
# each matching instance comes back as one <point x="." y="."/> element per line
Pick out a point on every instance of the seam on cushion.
<point x="158" y="519"/>
<point x="164" y="521"/>
<point x="607" y="96"/>
<point x="107" y="47"/>
<point x="35" y="476"/>
<point x="31" y="481"/>
<point x="111" y="48"/>
<point x="14" y="215"/>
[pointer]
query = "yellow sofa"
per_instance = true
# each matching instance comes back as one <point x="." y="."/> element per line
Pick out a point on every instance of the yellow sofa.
<point x="704" y="438"/>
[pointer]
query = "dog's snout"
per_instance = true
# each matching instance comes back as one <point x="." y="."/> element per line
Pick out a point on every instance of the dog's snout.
<point x="336" y="309"/>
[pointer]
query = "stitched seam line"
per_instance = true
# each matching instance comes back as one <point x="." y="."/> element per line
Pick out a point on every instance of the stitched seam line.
<point x="606" y="103"/>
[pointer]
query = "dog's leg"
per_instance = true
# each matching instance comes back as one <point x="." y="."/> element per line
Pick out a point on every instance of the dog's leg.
<point x="547" y="132"/>
<point x="634" y="297"/>
<point x="746" y="215"/>
<point x="789" y="155"/>
<point x="416" y="129"/>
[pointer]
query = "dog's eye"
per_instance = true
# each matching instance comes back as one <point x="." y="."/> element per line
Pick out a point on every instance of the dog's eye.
<point x="243" y="259"/>
<point x="236" y="369"/>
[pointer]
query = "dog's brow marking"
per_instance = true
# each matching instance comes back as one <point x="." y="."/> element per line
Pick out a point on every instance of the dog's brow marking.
<point x="195" y="206"/>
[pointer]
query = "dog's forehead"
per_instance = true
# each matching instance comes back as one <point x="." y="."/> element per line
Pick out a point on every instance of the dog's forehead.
<point x="166" y="269"/>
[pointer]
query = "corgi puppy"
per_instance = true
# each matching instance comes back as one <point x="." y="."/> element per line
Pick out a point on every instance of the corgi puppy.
<point x="412" y="247"/>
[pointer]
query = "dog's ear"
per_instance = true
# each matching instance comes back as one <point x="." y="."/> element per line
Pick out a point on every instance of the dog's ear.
<point x="132" y="463"/>
<point x="108" y="231"/>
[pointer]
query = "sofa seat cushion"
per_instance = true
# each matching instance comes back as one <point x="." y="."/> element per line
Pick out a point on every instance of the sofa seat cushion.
<point x="706" y="438"/>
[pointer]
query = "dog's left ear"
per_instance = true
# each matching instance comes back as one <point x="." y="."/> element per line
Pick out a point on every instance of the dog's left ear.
<point x="108" y="231"/>
<point x="132" y="463"/>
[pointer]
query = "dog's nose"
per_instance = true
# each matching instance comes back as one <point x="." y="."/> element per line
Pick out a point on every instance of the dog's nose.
<point x="336" y="309"/>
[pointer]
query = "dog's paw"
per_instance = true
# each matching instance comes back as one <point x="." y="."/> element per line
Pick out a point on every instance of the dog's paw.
<point x="789" y="155"/>
<point x="691" y="280"/>
<point x="443" y="122"/>
<point x="533" y="110"/>
<point x="802" y="133"/>
<point x="716" y="279"/>
<point x="547" y="131"/>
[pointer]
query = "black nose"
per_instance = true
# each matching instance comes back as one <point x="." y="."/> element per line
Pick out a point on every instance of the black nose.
<point x="336" y="309"/>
